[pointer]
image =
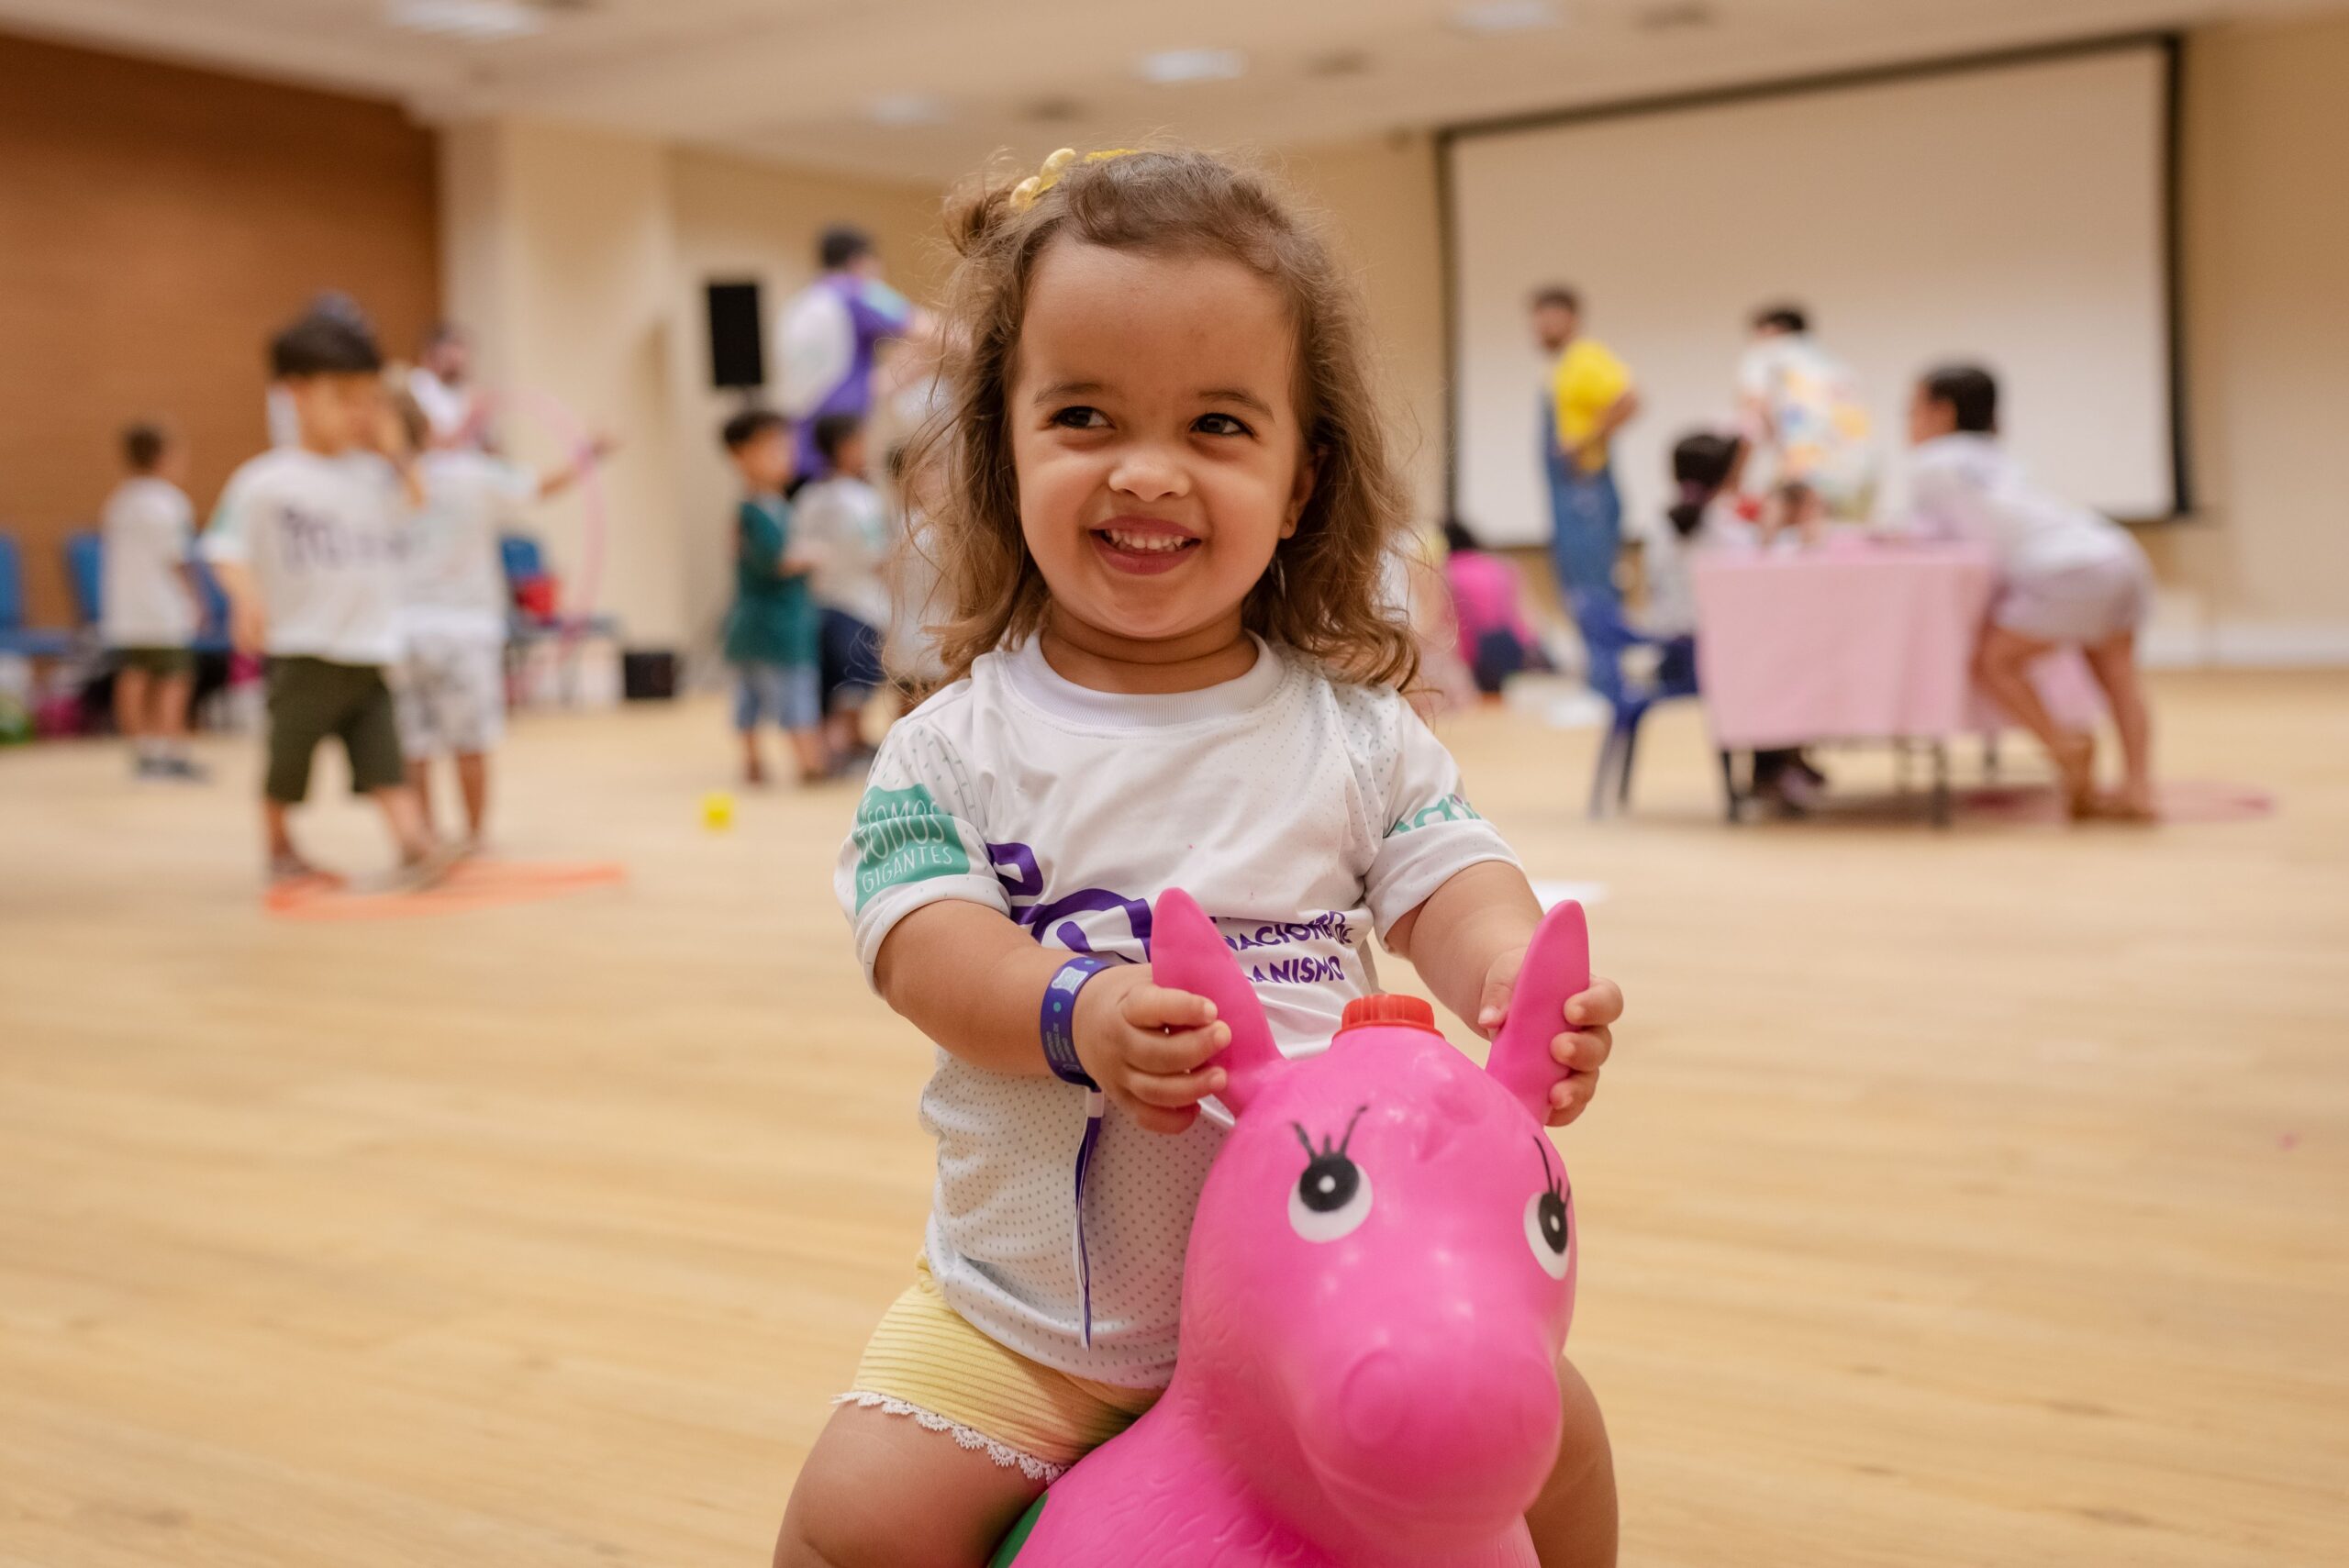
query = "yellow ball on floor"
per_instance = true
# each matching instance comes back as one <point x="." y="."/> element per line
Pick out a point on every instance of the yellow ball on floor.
<point x="717" y="810"/>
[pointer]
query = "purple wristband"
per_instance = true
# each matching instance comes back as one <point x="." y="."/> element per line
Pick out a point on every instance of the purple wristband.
<point x="1057" y="1022"/>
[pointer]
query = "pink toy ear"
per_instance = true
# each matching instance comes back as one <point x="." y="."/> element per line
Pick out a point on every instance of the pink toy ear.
<point x="1186" y="954"/>
<point x="1557" y="967"/>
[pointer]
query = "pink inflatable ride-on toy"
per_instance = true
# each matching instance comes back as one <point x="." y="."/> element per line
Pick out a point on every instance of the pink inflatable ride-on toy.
<point x="1378" y="1286"/>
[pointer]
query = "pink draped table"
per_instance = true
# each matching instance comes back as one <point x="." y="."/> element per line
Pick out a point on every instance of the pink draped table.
<point x="1857" y="641"/>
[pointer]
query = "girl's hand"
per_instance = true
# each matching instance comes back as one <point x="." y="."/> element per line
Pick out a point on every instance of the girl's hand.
<point x="1148" y="1047"/>
<point x="1581" y="1048"/>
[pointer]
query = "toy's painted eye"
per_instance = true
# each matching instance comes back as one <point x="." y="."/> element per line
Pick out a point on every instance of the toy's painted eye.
<point x="1545" y="1232"/>
<point x="1332" y="1197"/>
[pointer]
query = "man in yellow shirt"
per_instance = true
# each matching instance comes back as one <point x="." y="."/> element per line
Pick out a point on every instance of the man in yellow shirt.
<point x="1589" y="397"/>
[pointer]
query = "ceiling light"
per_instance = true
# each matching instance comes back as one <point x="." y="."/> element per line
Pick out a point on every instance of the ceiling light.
<point x="1172" y="66"/>
<point x="1492" y="17"/>
<point x="906" y="109"/>
<point x="479" y="20"/>
<point x="1339" y="63"/>
<point x="1676" y="15"/>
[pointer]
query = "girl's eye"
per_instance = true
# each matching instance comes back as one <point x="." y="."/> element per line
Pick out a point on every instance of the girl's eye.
<point x="1545" y="1232"/>
<point x="1331" y="1199"/>
<point x="1220" y="425"/>
<point x="1081" y="418"/>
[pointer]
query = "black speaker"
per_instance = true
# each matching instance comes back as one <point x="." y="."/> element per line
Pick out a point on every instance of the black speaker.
<point x="647" y="674"/>
<point x="738" y="356"/>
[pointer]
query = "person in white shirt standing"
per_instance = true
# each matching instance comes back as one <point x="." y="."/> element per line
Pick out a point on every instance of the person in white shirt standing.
<point x="146" y="609"/>
<point x="844" y="525"/>
<point x="305" y="543"/>
<point x="2068" y="577"/>
<point x="448" y="689"/>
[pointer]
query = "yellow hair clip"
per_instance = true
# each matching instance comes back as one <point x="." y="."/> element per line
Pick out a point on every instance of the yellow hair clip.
<point x="1025" y="194"/>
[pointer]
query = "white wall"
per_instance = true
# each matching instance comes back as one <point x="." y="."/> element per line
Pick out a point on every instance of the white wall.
<point x="560" y="256"/>
<point x="2268" y="341"/>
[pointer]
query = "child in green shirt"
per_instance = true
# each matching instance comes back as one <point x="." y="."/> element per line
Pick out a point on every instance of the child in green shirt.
<point x="771" y="634"/>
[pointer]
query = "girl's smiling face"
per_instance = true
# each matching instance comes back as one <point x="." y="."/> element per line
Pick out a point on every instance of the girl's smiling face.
<point x="1158" y="448"/>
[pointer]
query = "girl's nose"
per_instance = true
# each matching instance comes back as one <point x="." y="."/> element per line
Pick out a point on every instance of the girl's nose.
<point x="1147" y="473"/>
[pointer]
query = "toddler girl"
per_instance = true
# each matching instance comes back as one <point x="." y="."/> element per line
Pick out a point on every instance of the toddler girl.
<point x="1161" y="503"/>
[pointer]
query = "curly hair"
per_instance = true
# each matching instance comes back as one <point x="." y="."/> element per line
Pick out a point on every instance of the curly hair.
<point x="1321" y="594"/>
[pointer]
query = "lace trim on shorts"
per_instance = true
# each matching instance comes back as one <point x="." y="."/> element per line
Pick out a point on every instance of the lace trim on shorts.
<point x="1002" y="1452"/>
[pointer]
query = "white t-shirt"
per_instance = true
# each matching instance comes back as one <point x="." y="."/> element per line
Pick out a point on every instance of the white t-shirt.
<point x="845" y="519"/>
<point x="320" y="536"/>
<point x="452" y="583"/>
<point x="1818" y="428"/>
<point x="1968" y="486"/>
<point x="145" y="532"/>
<point x="1300" y="812"/>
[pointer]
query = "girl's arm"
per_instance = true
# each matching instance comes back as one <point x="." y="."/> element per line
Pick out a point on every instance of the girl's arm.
<point x="974" y="982"/>
<point x="1468" y="941"/>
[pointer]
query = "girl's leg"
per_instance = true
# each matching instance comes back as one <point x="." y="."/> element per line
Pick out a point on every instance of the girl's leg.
<point x="880" y="1491"/>
<point x="2002" y="664"/>
<point x="2114" y="662"/>
<point x="1573" y="1522"/>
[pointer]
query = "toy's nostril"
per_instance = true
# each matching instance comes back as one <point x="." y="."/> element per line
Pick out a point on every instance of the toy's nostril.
<point x="1376" y="1400"/>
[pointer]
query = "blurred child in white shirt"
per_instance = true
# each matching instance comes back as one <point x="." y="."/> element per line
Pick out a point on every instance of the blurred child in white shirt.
<point x="2067" y="578"/>
<point x="146" y="607"/>
<point x="843" y="524"/>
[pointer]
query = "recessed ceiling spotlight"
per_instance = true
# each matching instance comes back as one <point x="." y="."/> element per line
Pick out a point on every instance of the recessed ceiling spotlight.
<point x="1053" y="111"/>
<point x="906" y="109"/>
<point x="1339" y="62"/>
<point x="1172" y="67"/>
<point x="1492" y="17"/>
<point x="1675" y="16"/>
<point x="479" y="21"/>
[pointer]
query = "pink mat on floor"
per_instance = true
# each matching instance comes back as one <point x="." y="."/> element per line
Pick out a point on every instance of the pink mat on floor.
<point x="2183" y="802"/>
<point x="470" y="885"/>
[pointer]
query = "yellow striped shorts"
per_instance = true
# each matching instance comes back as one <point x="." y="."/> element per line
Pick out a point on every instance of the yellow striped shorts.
<point x="926" y="1362"/>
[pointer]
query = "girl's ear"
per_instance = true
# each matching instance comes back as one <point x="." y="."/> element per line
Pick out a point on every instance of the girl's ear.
<point x="1186" y="954"/>
<point x="1557" y="967"/>
<point x="1301" y="490"/>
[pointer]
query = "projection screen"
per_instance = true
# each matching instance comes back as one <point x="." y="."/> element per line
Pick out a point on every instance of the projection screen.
<point x="2014" y="213"/>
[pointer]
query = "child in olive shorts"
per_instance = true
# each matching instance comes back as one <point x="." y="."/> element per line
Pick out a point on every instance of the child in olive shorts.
<point x="306" y="544"/>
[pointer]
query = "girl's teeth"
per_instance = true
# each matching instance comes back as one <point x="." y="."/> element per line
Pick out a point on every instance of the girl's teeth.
<point x="1146" y="544"/>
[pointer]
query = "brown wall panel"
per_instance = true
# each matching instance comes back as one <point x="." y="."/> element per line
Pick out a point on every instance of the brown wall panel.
<point x="156" y="224"/>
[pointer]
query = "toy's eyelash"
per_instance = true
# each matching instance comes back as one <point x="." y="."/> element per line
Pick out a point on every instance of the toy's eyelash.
<point x="1344" y="1144"/>
<point x="1556" y="1183"/>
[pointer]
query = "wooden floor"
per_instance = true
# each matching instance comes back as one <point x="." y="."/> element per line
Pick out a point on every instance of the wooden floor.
<point x="1978" y="1197"/>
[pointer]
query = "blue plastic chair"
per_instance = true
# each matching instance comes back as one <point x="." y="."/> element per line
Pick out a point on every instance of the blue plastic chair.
<point x="84" y="558"/>
<point x="1607" y="636"/>
<point x="521" y="557"/>
<point x="15" y="636"/>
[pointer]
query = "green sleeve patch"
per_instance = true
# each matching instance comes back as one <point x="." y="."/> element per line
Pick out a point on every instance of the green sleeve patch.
<point x="902" y="836"/>
<point x="1451" y="808"/>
